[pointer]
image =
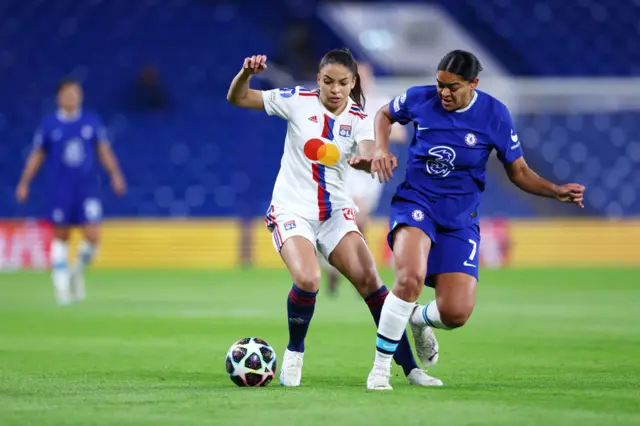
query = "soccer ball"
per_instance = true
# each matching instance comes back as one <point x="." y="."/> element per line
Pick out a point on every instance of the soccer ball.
<point x="251" y="362"/>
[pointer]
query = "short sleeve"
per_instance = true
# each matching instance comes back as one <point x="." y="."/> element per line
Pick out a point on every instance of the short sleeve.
<point x="505" y="139"/>
<point x="280" y="101"/>
<point x="101" y="131"/>
<point x="40" y="140"/>
<point x="364" y="130"/>
<point x="401" y="106"/>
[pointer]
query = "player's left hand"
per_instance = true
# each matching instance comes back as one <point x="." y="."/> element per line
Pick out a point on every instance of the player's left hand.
<point x="118" y="184"/>
<point x="383" y="165"/>
<point x="571" y="193"/>
<point x="361" y="163"/>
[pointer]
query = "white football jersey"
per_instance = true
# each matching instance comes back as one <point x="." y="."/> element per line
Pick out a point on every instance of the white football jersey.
<point x="311" y="181"/>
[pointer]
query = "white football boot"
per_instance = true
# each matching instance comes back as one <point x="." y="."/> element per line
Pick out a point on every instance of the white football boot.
<point x="291" y="369"/>
<point x="379" y="379"/>
<point x="419" y="377"/>
<point x="425" y="341"/>
<point x="63" y="297"/>
<point x="77" y="286"/>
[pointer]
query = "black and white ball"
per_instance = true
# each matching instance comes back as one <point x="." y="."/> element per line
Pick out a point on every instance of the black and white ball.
<point x="251" y="362"/>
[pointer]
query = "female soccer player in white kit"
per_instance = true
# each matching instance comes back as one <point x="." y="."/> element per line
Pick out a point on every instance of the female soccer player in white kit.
<point x="310" y="208"/>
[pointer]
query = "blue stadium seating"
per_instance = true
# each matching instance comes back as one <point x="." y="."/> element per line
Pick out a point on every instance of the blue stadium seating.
<point x="202" y="157"/>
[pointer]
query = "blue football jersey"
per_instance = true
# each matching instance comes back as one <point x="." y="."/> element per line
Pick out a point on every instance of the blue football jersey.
<point x="449" y="152"/>
<point x="70" y="145"/>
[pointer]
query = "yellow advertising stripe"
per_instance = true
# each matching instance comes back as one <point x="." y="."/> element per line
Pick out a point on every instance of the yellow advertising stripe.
<point x="573" y="242"/>
<point x="169" y="244"/>
<point x="209" y="244"/>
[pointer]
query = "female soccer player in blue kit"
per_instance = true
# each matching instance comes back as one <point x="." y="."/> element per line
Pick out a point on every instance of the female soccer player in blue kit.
<point x="74" y="142"/>
<point x="434" y="223"/>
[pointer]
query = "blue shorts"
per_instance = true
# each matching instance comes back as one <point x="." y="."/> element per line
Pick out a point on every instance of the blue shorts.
<point x="452" y="250"/>
<point x="75" y="211"/>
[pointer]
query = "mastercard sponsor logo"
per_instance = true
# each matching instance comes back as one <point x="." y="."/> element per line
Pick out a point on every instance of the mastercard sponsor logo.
<point x="325" y="153"/>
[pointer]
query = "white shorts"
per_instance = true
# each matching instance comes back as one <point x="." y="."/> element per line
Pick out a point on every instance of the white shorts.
<point x="324" y="235"/>
<point x="359" y="185"/>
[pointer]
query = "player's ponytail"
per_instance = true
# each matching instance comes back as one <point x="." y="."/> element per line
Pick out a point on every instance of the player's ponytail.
<point x="462" y="63"/>
<point x="357" y="94"/>
<point x="344" y="57"/>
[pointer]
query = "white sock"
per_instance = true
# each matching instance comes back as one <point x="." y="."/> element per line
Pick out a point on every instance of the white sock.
<point x="429" y="315"/>
<point x="393" y="322"/>
<point x="86" y="254"/>
<point x="60" y="269"/>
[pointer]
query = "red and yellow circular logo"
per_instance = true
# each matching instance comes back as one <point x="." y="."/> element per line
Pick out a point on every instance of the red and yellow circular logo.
<point x="325" y="153"/>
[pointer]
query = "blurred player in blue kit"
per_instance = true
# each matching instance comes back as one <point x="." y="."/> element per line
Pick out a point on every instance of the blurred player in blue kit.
<point x="73" y="141"/>
<point x="434" y="221"/>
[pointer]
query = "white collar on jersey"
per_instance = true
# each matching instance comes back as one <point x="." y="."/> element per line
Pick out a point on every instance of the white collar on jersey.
<point x="473" y="101"/>
<point x="350" y="103"/>
<point x="63" y="116"/>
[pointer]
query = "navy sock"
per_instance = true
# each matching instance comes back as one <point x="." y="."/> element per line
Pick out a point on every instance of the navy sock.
<point x="403" y="355"/>
<point x="300" y="307"/>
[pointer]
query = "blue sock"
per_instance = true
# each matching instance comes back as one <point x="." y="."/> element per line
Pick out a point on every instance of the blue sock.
<point x="403" y="355"/>
<point x="300" y="307"/>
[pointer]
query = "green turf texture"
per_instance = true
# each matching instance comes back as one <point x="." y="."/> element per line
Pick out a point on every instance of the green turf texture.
<point x="543" y="347"/>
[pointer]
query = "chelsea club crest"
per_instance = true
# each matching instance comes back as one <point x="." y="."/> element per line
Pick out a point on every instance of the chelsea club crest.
<point x="470" y="139"/>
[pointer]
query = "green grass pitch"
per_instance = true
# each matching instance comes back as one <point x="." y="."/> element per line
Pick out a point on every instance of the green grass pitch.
<point x="544" y="347"/>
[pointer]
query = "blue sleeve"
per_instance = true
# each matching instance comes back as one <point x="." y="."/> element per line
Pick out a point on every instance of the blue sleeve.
<point x="101" y="131"/>
<point x="40" y="139"/>
<point x="401" y="108"/>
<point x="505" y="139"/>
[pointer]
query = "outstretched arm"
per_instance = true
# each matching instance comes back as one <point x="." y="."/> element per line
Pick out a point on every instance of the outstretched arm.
<point x="34" y="162"/>
<point x="239" y="93"/>
<point x="529" y="181"/>
<point x="382" y="125"/>
<point x="110" y="163"/>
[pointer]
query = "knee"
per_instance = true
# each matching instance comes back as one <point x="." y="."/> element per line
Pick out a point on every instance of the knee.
<point x="307" y="280"/>
<point x="92" y="235"/>
<point x="455" y="316"/>
<point x="409" y="283"/>
<point x="368" y="281"/>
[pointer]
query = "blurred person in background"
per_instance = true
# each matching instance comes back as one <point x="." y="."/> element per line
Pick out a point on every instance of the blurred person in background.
<point x="363" y="188"/>
<point x="295" y="53"/>
<point x="148" y="92"/>
<point x="73" y="141"/>
<point x="310" y="210"/>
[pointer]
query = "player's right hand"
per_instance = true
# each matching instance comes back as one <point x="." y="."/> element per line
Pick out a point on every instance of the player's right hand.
<point x="22" y="193"/>
<point x="255" y="64"/>
<point x="119" y="185"/>
<point x="571" y="193"/>
<point x="383" y="165"/>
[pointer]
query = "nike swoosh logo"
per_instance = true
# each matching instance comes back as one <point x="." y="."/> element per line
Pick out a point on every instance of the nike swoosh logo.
<point x="432" y="356"/>
<point x="469" y="264"/>
<point x="423" y="128"/>
<point x="387" y="346"/>
<point x="515" y="146"/>
<point x="514" y="137"/>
